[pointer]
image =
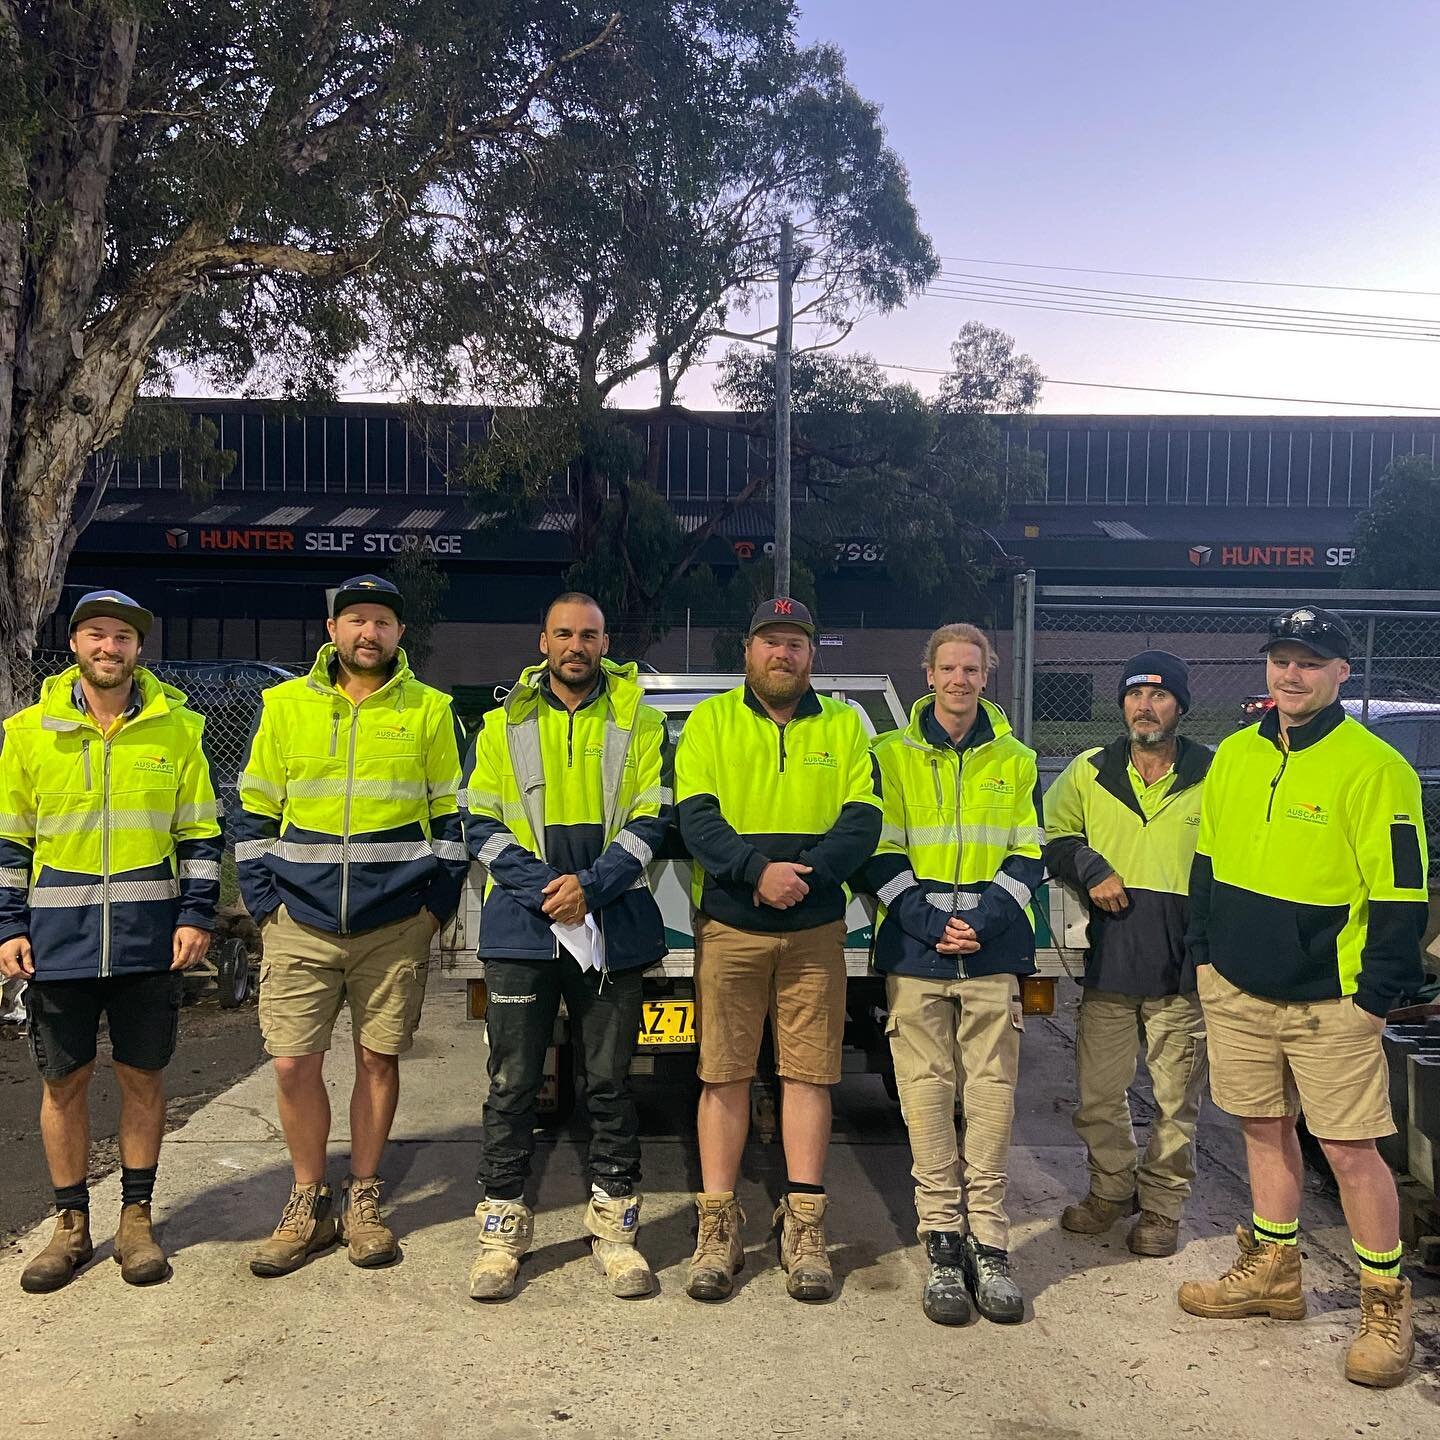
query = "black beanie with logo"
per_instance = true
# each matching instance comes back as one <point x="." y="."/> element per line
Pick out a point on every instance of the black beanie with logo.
<point x="1157" y="667"/>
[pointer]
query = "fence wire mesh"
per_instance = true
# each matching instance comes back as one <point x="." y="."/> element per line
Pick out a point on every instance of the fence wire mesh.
<point x="1070" y="681"/>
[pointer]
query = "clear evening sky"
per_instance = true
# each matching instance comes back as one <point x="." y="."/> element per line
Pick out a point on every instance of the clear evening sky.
<point x="1264" y="141"/>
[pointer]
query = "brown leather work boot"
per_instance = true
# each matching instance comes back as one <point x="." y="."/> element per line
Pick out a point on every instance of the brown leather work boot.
<point x="1264" y="1280"/>
<point x="614" y="1221"/>
<point x="719" y="1250"/>
<point x="1381" y="1353"/>
<point x="1094" y="1216"/>
<point x="306" y="1225"/>
<point x="359" y="1225"/>
<point x="142" y="1261"/>
<point x="1154" y="1234"/>
<point x="506" y="1229"/>
<point x="68" y="1250"/>
<point x="804" y="1254"/>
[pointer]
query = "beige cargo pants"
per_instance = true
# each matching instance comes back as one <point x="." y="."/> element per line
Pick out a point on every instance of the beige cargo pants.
<point x="949" y="1038"/>
<point x="1109" y="1034"/>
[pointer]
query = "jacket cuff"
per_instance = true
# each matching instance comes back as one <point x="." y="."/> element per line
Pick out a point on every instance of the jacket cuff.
<point x="754" y="869"/>
<point x="1373" y="1003"/>
<point x="11" y="928"/>
<point x="198" y="919"/>
<point x="1092" y="867"/>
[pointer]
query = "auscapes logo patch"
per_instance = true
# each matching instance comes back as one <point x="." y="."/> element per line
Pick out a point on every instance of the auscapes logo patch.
<point x="154" y="765"/>
<point x="392" y="732"/>
<point x="822" y="758"/>
<point x="994" y="785"/>
<point x="1310" y="813"/>
<point x="594" y="752"/>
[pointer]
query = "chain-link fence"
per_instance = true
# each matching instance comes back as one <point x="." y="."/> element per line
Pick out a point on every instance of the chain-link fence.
<point x="1072" y="643"/>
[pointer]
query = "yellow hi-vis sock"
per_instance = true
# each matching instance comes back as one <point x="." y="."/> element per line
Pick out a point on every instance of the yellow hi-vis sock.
<point x="1276" y="1232"/>
<point x="1375" y="1263"/>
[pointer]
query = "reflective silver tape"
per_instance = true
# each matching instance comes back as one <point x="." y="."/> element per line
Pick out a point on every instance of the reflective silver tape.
<point x="366" y="852"/>
<point x="951" y="902"/>
<point x="448" y="849"/>
<point x="892" y="835"/>
<point x="193" y="814"/>
<point x="632" y="844"/>
<point x="440" y="789"/>
<point x="1029" y="835"/>
<point x="1021" y="894"/>
<point x="199" y="869"/>
<point x="495" y="847"/>
<point x="16" y="824"/>
<point x="122" y="892"/>
<point x="997" y="835"/>
<point x="334" y="787"/>
<point x="74" y="822"/>
<point x="15" y="879"/>
<point x="261" y="786"/>
<point x="252" y="850"/>
<point x="892" y="890"/>
<point x="487" y="801"/>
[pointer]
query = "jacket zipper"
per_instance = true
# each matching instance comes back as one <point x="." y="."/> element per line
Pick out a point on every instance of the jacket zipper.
<point x="1275" y="784"/>
<point x="570" y="742"/>
<point x="89" y="773"/>
<point x="345" y="827"/>
<point x="104" y="856"/>
<point x="781" y="730"/>
<point x="334" y="733"/>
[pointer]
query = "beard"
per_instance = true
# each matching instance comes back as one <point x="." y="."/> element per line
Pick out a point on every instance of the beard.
<point x="1151" y="739"/>
<point x="111" y="679"/>
<point x="776" y="683"/>
<point x="366" y="660"/>
<point x="574" y="672"/>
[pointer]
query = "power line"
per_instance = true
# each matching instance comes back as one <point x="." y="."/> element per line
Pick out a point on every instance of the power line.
<point x="1278" y="311"/>
<point x="1172" y="318"/>
<point x="1197" y="279"/>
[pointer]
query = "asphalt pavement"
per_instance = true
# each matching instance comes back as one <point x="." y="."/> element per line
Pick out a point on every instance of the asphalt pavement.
<point x="1104" y="1350"/>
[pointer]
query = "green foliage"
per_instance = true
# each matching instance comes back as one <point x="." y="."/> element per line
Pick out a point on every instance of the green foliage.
<point x="417" y="575"/>
<point x="159" y="427"/>
<point x="1397" y="541"/>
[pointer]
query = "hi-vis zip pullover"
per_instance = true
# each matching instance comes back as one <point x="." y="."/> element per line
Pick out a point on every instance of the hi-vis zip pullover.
<point x="348" y="813"/>
<point x="961" y="837"/>
<point x="548" y="793"/>
<point x="107" y="841"/>
<point x="750" y="791"/>
<point x="1098" y="825"/>
<point x="1309" y="876"/>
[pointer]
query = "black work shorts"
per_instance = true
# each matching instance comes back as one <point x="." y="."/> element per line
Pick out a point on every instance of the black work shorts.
<point x="143" y="1012"/>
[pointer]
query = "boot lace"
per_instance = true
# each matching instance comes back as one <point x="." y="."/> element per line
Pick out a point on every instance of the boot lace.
<point x="714" y="1230"/>
<point x="993" y="1265"/>
<point x="365" y="1204"/>
<point x="807" y="1241"/>
<point x="1245" y="1262"/>
<point x="296" y="1214"/>
<point x="1380" y="1316"/>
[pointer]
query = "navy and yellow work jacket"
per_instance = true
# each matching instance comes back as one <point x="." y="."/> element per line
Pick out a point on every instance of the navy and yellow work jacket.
<point x="1309" y="875"/>
<point x="1101" y="819"/>
<point x="961" y="837"/>
<point x="551" y="792"/>
<point x="108" y="839"/>
<point x="750" y="791"/>
<point x="349" y="815"/>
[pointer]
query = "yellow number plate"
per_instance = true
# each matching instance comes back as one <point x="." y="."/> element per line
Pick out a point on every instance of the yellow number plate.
<point x="667" y="1022"/>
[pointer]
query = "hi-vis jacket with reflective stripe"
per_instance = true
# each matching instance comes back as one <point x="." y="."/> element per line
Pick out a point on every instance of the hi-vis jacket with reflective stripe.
<point x="107" y="842"/>
<point x="550" y="793"/>
<point x="961" y="837"/>
<point x="751" y="791"/>
<point x="1098" y="826"/>
<point x="1309" y="876"/>
<point x="348" y="813"/>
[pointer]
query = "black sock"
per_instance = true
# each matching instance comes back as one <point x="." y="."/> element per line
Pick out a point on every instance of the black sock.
<point x="137" y="1186"/>
<point x="73" y="1197"/>
<point x="506" y="1190"/>
<point x="799" y="1187"/>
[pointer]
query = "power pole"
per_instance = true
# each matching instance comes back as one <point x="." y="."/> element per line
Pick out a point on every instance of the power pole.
<point x="782" y="413"/>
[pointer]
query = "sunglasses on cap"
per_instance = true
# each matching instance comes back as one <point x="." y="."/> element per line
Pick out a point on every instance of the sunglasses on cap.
<point x="1322" y="632"/>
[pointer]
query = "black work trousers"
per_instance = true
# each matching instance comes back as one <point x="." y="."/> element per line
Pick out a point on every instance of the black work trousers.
<point x="604" y="1012"/>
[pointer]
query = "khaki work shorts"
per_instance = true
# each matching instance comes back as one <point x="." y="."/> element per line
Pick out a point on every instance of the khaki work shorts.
<point x="307" y="974"/>
<point x="1270" y="1058"/>
<point x="797" y="978"/>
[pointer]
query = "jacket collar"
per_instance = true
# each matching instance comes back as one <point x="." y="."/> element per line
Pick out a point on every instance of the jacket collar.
<point x="325" y="670"/>
<point x="927" y="732"/>
<point x="1301" y="737"/>
<point x="1112" y="766"/>
<point x="59" y="710"/>
<point x="809" y="704"/>
<point x="618" y="686"/>
<point x="547" y="692"/>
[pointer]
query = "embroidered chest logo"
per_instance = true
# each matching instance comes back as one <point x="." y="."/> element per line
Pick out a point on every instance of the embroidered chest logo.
<point x="594" y="752"/>
<point x="392" y="732"/>
<point x="154" y="765"/>
<point x="1311" y="814"/>
<point x="994" y="785"/>
<point x="823" y="758"/>
<point x="1192" y="819"/>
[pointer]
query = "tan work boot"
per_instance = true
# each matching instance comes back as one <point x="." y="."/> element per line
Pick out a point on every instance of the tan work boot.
<point x="68" y="1250"/>
<point x="505" y="1230"/>
<point x="1154" y="1234"/>
<point x="1264" y="1280"/>
<point x="614" y="1221"/>
<point x="142" y="1261"/>
<point x="804" y="1255"/>
<point x="719" y="1249"/>
<point x="1381" y="1353"/>
<point x="306" y="1226"/>
<point x="1094" y="1216"/>
<point x="359" y="1225"/>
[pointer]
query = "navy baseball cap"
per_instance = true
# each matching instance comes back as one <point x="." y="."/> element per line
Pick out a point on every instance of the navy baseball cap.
<point x="1322" y="631"/>
<point x="368" y="590"/>
<point x="781" y="611"/>
<point x="117" y="605"/>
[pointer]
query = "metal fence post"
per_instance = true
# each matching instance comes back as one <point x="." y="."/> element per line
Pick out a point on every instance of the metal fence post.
<point x="1022" y="653"/>
<point x="1369" y="668"/>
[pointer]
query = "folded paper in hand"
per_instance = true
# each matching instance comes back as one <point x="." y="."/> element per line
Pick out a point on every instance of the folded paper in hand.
<point x="584" y="942"/>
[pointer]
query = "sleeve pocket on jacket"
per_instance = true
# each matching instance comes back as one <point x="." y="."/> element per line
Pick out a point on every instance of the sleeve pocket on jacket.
<point x="1405" y="857"/>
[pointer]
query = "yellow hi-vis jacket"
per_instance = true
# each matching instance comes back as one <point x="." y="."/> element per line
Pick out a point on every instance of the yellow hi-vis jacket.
<point x="107" y="841"/>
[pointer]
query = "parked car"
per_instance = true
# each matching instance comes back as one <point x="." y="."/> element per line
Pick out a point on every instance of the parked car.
<point x="1383" y="687"/>
<point x="246" y="674"/>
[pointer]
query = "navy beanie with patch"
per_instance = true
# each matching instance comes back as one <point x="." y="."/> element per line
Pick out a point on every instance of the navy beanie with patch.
<point x="1157" y="667"/>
